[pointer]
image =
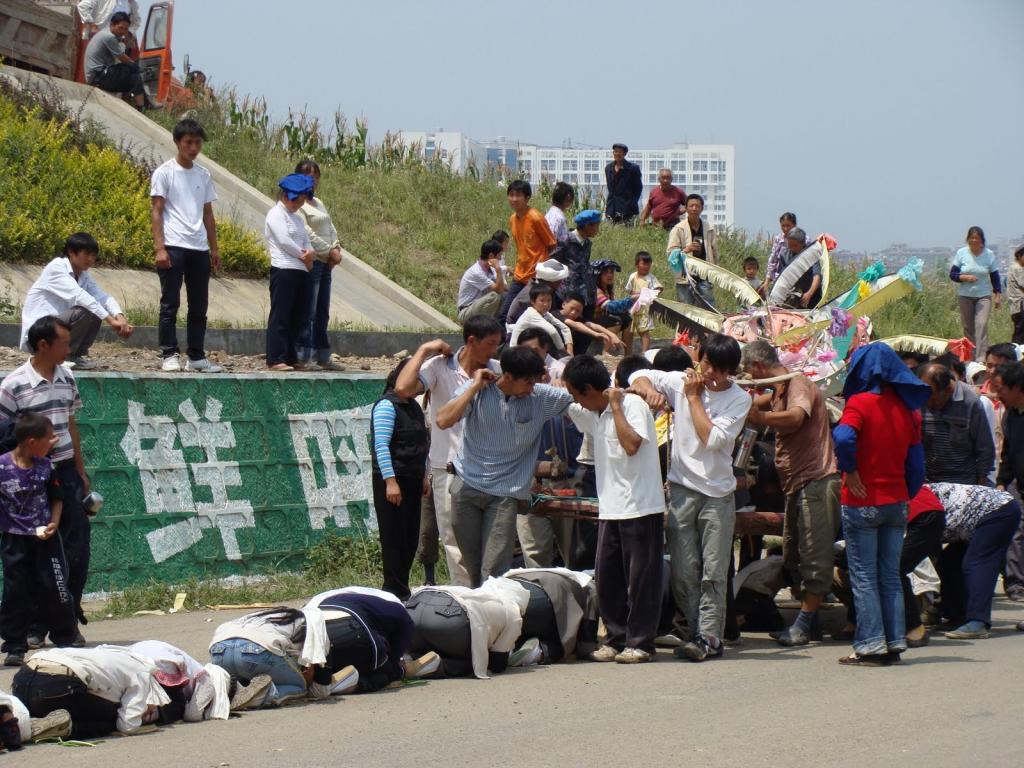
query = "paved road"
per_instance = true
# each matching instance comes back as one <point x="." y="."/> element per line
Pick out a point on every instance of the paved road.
<point x="951" y="704"/>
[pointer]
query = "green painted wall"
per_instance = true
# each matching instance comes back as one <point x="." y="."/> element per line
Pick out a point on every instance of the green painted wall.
<point x="209" y="476"/>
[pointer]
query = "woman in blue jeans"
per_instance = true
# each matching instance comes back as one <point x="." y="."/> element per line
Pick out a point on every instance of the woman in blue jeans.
<point x="879" y="451"/>
<point x="286" y="644"/>
<point x="314" y="346"/>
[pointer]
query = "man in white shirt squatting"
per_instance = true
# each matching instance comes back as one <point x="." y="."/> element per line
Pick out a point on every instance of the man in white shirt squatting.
<point x="709" y="414"/>
<point x="66" y="290"/>
<point x="631" y="508"/>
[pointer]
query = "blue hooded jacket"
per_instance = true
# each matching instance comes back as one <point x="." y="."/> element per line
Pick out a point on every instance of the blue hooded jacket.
<point x="870" y="368"/>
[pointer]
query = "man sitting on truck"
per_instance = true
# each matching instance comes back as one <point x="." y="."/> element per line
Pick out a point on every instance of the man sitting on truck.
<point x="108" y="66"/>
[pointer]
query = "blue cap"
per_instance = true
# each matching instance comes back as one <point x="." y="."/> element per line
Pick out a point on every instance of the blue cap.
<point x="589" y="216"/>
<point x="296" y="184"/>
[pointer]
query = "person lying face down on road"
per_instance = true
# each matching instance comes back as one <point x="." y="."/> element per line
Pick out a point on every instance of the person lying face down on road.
<point x="369" y="631"/>
<point x="274" y="656"/>
<point x="561" y="615"/>
<point x="202" y="691"/>
<point x="105" y="689"/>
<point x="472" y="630"/>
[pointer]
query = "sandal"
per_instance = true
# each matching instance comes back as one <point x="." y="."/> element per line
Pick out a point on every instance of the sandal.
<point x="280" y="367"/>
<point x="868" y="660"/>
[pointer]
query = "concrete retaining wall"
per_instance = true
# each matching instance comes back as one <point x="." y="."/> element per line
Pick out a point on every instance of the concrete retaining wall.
<point x="252" y="341"/>
<point x="222" y="474"/>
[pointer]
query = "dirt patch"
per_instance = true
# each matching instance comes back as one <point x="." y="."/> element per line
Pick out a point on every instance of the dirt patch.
<point x="119" y="358"/>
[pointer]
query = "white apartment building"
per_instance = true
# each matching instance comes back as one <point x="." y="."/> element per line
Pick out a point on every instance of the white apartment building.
<point x="707" y="169"/>
<point x="452" y="148"/>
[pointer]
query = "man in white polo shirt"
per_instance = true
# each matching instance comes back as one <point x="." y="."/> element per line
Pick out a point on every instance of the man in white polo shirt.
<point x="437" y="371"/>
<point x="631" y="509"/>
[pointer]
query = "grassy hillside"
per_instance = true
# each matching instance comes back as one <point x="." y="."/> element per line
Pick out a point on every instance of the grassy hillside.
<point x="421" y="226"/>
<point x="59" y="176"/>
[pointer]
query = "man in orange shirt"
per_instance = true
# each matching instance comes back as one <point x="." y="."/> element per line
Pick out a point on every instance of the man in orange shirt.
<point x="533" y="237"/>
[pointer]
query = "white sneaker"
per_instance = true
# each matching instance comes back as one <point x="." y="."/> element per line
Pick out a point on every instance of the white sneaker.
<point x="604" y="653"/>
<point x="424" y="666"/>
<point x="251" y="696"/>
<point x="204" y="365"/>
<point x="170" y="364"/>
<point x="528" y="654"/>
<point x="344" y="680"/>
<point x="56" y="725"/>
<point x="632" y="656"/>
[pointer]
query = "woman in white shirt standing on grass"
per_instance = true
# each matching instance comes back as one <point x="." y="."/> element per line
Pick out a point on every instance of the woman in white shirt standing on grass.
<point x="976" y="270"/>
<point x="291" y="258"/>
<point x="314" y="346"/>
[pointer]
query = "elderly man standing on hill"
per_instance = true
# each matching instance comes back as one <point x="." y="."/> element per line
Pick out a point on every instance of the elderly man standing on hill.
<point x="625" y="185"/>
<point x="666" y="203"/>
<point x="65" y="289"/>
<point x="807" y="468"/>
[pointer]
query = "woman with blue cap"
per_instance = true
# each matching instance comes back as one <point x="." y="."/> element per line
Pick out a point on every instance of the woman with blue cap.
<point x="879" y="450"/>
<point x="291" y="258"/>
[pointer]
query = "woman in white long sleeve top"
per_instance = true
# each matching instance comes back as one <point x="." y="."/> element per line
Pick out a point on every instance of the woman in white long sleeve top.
<point x="291" y="258"/>
<point x="314" y="346"/>
<point x="288" y="645"/>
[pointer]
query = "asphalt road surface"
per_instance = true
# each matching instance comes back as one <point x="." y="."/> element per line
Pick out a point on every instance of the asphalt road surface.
<point x="950" y="704"/>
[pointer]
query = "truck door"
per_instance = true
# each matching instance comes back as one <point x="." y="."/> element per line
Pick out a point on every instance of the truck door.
<point x="155" y="51"/>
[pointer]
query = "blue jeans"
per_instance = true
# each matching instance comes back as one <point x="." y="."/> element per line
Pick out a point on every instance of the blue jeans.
<point x="313" y="342"/>
<point x="700" y="295"/>
<point x="874" y="543"/>
<point x="244" y="660"/>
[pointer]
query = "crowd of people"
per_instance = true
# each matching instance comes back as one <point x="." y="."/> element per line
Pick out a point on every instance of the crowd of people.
<point x="902" y="504"/>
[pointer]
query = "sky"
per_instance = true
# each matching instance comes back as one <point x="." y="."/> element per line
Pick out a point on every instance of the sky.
<point x="878" y="121"/>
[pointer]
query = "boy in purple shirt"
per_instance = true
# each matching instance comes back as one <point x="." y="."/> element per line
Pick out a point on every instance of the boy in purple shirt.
<point x="35" y="574"/>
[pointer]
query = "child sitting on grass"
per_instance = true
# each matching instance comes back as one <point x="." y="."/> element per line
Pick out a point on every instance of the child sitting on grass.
<point x="538" y="315"/>
<point x="35" y="573"/>
<point x="643" y="322"/>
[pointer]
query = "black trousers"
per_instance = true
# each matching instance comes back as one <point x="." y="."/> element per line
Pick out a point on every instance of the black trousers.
<point x="399" y="531"/>
<point x="42" y="693"/>
<point x="1017" y="319"/>
<point x="628" y="573"/>
<point x="76" y="536"/>
<point x="35" y="585"/>
<point x="288" y="291"/>
<point x="120" y="78"/>
<point x="352" y="645"/>
<point x="192" y="268"/>
<point x="923" y="540"/>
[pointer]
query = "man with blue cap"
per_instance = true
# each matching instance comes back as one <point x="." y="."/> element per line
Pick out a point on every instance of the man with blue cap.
<point x="575" y="254"/>
<point x="291" y="258"/>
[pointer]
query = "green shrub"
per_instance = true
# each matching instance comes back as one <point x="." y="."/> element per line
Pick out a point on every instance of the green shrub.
<point x="52" y="184"/>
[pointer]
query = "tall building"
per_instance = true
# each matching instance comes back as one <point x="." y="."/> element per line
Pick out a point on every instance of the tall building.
<point x="707" y="169"/>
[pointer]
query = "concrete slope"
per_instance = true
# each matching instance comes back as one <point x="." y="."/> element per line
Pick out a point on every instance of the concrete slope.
<point x="360" y="294"/>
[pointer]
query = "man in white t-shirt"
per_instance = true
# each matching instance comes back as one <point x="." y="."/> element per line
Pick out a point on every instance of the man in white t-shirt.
<point x="185" y="240"/>
<point x="710" y="411"/>
<point x="631" y="508"/>
<point x="435" y="370"/>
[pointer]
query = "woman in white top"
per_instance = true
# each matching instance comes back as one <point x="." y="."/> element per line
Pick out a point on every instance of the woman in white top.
<point x="291" y="258"/>
<point x="288" y="645"/>
<point x="314" y="346"/>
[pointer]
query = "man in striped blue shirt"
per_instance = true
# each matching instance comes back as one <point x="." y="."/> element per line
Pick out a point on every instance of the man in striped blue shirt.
<point x="503" y="418"/>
